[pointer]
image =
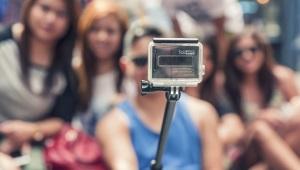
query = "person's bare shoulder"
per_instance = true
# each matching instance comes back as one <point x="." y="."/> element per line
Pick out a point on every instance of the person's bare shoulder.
<point x="201" y="111"/>
<point x="283" y="74"/>
<point x="113" y="135"/>
<point x="115" y="120"/>
<point x="286" y="80"/>
<point x="17" y="30"/>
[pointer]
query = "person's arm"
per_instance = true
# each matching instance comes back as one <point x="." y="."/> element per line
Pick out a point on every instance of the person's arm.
<point x="63" y="109"/>
<point x="21" y="132"/>
<point x="277" y="117"/>
<point x="7" y="163"/>
<point x="286" y="81"/>
<point x="231" y="129"/>
<point x="171" y="9"/>
<point x="212" y="147"/>
<point x="113" y="134"/>
<point x="206" y="119"/>
<point x="272" y="148"/>
<point x="176" y="27"/>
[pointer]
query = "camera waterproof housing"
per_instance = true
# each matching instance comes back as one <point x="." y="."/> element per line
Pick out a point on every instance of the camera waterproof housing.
<point x="175" y="62"/>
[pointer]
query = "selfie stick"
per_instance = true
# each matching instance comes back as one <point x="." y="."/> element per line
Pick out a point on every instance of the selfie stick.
<point x="172" y="95"/>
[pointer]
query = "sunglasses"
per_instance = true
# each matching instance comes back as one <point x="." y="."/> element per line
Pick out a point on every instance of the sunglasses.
<point x="140" y="61"/>
<point x="241" y="51"/>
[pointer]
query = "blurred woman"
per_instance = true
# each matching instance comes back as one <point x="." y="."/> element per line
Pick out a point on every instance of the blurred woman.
<point x="102" y="27"/>
<point x="259" y="89"/>
<point x="231" y="129"/>
<point x="206" y="90"/>
<point x="36" y="87"/>
<point x="253" y="81"/>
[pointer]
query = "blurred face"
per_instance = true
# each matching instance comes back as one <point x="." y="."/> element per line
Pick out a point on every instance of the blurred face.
<point x="48" y="20"/>
<point x="248" y="55"/>
<point x="207" y="58"/>
<point x="104" y="37"/>
<point x="139" y="57"/>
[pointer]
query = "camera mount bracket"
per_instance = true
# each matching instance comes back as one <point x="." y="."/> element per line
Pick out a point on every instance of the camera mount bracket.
<point x="172" y="96"/>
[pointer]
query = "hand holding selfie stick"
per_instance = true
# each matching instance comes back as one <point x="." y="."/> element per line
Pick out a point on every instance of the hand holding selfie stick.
<point x="173" y="63"/>
<point x="172" y="95"/>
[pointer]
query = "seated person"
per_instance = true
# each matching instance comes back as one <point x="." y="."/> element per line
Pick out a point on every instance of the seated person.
<point x="37" y="85"/>
<point x="102" y="28"/>
<point x="231" y="129"/>
<point x="260" y="90"/>
<point x="129" y="134"/>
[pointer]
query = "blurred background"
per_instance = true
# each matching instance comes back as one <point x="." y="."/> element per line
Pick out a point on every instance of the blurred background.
<point x="278" y="19"/>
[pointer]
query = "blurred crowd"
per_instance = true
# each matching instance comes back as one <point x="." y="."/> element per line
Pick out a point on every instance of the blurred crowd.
<point x="76" y="66"/>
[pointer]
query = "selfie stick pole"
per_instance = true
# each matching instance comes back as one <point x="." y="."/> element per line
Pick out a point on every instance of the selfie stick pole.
<point x="172" y="96"/>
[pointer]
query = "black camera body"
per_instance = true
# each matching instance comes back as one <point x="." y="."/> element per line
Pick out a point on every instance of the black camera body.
<point x="175" y="62"/>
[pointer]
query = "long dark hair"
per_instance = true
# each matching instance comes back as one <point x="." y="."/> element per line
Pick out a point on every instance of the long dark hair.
<point x="234" y="77"/>
<point x="207" y="91"/>
<point x="87" y="71"/>
<point x="63" y="48"/>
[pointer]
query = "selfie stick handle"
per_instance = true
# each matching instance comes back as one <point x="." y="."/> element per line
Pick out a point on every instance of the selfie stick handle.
<point x="169" y="112"/>
<point x="172" y="96"/>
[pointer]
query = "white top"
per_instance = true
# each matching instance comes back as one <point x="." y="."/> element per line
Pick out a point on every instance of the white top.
<point x="199" y="10"/>
<point x="195" y="16"/>
<point x="16" y="100"/>
<point x="103" y="98"/>
<point x="104" y="92"/>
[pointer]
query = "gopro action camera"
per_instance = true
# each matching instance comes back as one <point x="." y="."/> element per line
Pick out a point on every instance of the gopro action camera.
<point x="175" y="62"/>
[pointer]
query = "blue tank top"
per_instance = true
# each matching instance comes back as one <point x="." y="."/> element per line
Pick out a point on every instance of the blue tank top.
<point x="183" y="146"/>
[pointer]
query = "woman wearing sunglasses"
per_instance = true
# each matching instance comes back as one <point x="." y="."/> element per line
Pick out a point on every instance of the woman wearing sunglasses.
<point x="130" y="142"/>
<point x="260" y="92"/>
<point x="210" y="89"/>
